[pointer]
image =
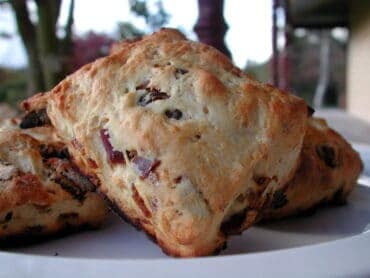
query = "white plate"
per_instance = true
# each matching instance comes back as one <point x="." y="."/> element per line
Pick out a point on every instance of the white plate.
<point x="334" y="241"/>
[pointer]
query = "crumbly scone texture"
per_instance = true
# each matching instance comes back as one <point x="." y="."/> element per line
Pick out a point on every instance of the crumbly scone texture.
<point x="327" y="174"/>
<point x="178" y="138"/>
<point x="45" y="135"/>
<point x="41" y="192"/>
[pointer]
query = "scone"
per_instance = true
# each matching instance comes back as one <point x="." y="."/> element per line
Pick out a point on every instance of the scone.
<point x="178" y="139"/>
<point x="327" y="173"/>
<point x="41" y="192"/>
<point x="44" y="134"/>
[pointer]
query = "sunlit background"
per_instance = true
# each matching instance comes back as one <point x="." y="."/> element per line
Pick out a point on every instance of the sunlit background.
<point x="92" y="16"/>
<point x="315" y="49"/>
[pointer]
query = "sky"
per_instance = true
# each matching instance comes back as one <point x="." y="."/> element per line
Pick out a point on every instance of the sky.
<point x="248" y="36"/>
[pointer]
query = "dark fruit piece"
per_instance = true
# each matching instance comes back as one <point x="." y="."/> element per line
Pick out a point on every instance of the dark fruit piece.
<point x="34" y="119"/>
<point x="173" y="114"/>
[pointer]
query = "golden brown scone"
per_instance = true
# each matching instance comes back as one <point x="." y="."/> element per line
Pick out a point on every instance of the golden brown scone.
<point x="118" y="46"/>
<point x="43" y="134"/>
<point x="41" y="192"/>
<point x="327" y="173"/>
<point x="179" y="139"/>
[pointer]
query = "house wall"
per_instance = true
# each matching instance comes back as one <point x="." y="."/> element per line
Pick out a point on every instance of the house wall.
<point x="358" y="70"/>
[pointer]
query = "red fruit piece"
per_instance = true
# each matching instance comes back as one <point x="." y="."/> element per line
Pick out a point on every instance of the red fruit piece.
<point x="145" y="166"/>
<point x="114" y="156"/>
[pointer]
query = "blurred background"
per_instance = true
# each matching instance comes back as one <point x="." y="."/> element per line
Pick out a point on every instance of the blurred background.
<point x="317" y="49"/>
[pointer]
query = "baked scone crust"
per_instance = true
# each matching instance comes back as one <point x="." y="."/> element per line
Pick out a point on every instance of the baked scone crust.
<point x="177" y="137"/>
<point x="327" y="173"/>
<point x="36" y="199"/>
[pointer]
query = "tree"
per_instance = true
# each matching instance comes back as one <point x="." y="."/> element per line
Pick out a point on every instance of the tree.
<point x="51" y="56"/>
<point x="127" y="30"/>
<point x="154" y="19"/>
<point x="88" y="48"/>
<point x="46" y="52"/>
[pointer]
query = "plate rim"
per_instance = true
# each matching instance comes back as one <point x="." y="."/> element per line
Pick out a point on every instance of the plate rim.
<point x="347" y="256"/>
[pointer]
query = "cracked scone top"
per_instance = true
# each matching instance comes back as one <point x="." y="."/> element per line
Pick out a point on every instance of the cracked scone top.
<point x="178" y="138"/>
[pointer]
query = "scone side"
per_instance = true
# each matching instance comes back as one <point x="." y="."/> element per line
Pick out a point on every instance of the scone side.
<point x="64" y="110"/>
<point x="33" y="205"/>
<point x="288" y="122"/>
<point x="327" y="181"/>
<point x="30" y="223"/>
<point x="171" y="250"/>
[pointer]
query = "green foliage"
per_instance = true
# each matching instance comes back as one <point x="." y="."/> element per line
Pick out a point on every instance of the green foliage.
<point x="139" y="8"/>
<point x="127" y="30"/>
<point x="154" y="18"/>
<point x="13" y="84"/>
<point x="258" y="71"/>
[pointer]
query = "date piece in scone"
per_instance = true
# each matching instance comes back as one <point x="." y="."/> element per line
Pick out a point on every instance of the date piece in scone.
<point x="181" y="141"/>
<point x="327" y="173"/>
<point x="41" y="192"/>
